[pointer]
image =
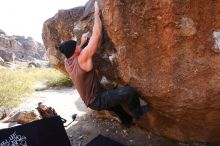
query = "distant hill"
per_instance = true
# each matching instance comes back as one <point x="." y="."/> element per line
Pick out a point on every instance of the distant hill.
<point x="20" y="48"/>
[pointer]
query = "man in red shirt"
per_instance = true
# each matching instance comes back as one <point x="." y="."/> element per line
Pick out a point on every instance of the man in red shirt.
<point x="79" y="66"/>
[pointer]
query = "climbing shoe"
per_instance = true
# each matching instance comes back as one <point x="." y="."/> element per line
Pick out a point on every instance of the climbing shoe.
<point x="138" y="113"/>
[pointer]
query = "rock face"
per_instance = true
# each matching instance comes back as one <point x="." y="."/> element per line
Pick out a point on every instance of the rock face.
<point x="19" y="47"/>
<point x="167" y="50"/>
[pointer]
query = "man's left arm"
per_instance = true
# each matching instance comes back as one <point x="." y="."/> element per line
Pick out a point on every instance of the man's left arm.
<point x="85" y="57"/>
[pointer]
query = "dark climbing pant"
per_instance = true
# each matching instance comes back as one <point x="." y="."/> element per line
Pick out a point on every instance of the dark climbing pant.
<point x="111" y="100"/>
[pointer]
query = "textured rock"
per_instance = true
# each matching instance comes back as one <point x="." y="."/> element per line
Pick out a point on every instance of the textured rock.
<point x="23" y="117"/>
<point x="31" y="47"/>
<point x="23" y="48"/>
<point x="167" y="50"/>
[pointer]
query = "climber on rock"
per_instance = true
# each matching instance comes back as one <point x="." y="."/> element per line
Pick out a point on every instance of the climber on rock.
<point x="80" y="68"/>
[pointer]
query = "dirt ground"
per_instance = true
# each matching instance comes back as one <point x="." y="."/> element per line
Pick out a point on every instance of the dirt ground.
<point x="87" y="127"/>
<point x="89" y="124"/>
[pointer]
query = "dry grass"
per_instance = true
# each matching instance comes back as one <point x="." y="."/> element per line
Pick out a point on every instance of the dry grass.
<point x="16" y="84"/>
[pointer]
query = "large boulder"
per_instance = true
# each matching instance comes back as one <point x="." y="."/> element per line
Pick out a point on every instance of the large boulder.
<point x="167" y="50"/>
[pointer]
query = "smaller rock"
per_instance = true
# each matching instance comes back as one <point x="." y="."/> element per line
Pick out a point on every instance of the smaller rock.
<point x="107" y="130"/>
<point x="23" y="117"/>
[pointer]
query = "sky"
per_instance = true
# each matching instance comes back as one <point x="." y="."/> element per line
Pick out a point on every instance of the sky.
<point x="26" y="17"/>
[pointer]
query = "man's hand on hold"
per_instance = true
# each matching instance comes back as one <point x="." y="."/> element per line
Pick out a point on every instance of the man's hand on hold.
<point x="85" y="57"/>
<point x="84" y="38"/>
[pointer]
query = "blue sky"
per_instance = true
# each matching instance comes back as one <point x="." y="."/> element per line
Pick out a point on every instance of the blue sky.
<point x="26" y="17"/>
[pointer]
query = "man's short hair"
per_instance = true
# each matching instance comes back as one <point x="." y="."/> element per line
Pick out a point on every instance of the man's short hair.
<point x="68" y="48"/>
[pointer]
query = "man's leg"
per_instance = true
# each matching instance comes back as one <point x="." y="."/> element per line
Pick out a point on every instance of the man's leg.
<point x="115" y="97"/>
